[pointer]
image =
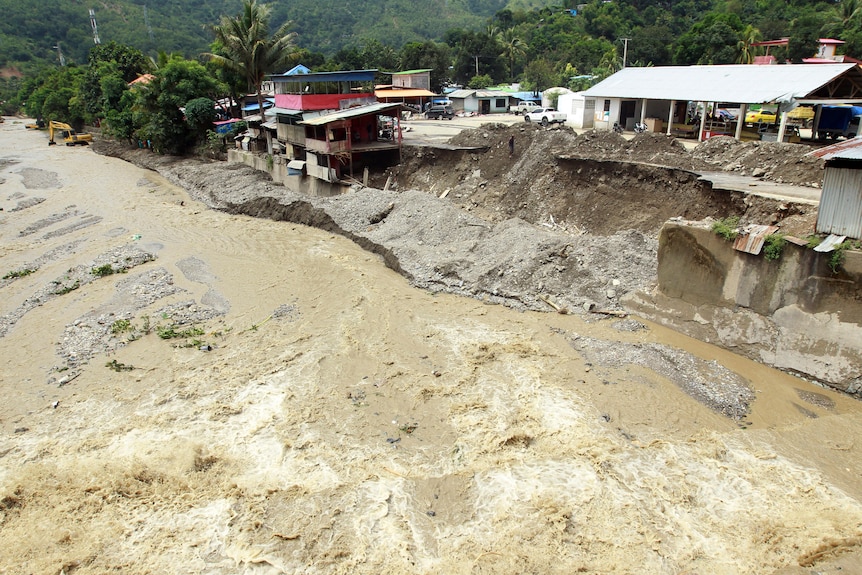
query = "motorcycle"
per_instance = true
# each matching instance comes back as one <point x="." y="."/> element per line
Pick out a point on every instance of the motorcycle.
<point x="617" y="128"/>
<point x="640" y="128"/>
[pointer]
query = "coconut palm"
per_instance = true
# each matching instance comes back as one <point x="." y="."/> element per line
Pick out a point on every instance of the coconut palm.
<point x="749" y="36"/>
<point x="846" y="16"/>
<point x="245" y="45"/>
<point x="513" y="47"/>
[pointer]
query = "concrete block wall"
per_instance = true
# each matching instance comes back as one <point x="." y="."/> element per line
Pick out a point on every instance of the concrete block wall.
<point x="793" y="313"/>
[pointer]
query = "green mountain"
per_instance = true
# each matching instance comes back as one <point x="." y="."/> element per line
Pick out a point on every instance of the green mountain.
<point x="32" y="30"/>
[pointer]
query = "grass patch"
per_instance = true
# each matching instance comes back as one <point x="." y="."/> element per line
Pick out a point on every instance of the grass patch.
<point x="18" y="274"/>
<point x="773" y="245"/>
<point x="838" y="255"/>
<point x="727" y="228"/>
<point x="118" y="367"/>
<point x="171" y="332"/>
<point x="103" y="271"/>
<point x="66" y="289"/>
<point x="121" y="325"/>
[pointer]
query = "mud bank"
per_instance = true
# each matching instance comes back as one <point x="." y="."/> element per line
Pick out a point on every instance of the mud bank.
<point x="795" y="314"/>
<point x="433" y="242"/>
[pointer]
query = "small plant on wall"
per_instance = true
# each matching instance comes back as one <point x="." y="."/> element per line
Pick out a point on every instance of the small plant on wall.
<point x="727" y="227"/>
<point x="836" y="259"/>
<point x="773" y="245"/>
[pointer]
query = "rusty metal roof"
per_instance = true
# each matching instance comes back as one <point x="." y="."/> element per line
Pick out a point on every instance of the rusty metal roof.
<point x="752" y="238"/>
<point x="847" y="150"/>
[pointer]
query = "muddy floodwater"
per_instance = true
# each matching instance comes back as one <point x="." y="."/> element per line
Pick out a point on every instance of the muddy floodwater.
<point x="187" y="391"/>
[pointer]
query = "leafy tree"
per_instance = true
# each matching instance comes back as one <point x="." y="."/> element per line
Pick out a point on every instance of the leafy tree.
<point x="175" y="84"/>
<point x="130" y="62"/>
<point x="652" y="44"/>
<point x="713" y="40"/>
<point x="804" y="35"/>
<point x="476" y="54"/>
<point x="53" y="95"/>
<point x="478" y="82"/>
<point x="124" y="120"/>
<point x="428" y="54"/>
<point x="249" y="48"/>
<point x="539" y="75"/>
<point x="200" y="115"/>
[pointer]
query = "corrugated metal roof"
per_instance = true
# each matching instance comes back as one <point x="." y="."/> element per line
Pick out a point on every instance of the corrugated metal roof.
<point x="461" y="93"/>
<point x="752" y="238"/>
<point x="847" y="150"/>
<point x="284" y="111"/>
<point x="340" y="76"/>
<point x="405" y="93"/>
<point x="273" y="125"/>
<point x="738" y="83"/>
<point x="479" y="94"/>
<point x="830" y="243"/>
<point x="405" y="72"/>
<point x="378" y="108"/>
<point x="840" y="210"/>
<point x="491" y="94"/>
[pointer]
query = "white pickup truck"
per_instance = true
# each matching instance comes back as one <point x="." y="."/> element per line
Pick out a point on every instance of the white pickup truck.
<point x="523" y="108"/>
<point x="545" y="116"/>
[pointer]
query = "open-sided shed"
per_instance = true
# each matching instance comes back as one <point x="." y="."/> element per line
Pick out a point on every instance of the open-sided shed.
<point x="662" y="93"/>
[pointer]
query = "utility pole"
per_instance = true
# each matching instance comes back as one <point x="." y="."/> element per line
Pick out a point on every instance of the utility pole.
<point x="60" y="54"/>
<point x="477" y="64"/>
<point x="625" y="49"/>
<point x="147" y="23"/>
<point x="95" y="29"/>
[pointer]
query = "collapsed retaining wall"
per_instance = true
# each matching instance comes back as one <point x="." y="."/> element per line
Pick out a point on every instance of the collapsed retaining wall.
<point x="276" y="167"/>
<point x="794" y="313"/>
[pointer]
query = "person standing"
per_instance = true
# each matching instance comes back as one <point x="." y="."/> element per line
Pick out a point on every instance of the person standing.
<point x="511" y="145"/>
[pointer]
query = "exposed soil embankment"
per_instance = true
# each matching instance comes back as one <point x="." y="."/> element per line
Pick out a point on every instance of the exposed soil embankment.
<point x="598" y="199"/>
<point x="433" y="243"/>
<point x="599" y="182"/>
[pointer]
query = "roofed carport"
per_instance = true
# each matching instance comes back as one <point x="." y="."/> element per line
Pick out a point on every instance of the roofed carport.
<point x="787" y="85"/>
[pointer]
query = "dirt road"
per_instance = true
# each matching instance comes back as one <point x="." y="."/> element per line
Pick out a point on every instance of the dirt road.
<point x="264" y="397"/>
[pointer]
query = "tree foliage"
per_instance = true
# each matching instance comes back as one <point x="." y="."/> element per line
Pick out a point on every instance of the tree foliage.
<point x="246" y="46"/>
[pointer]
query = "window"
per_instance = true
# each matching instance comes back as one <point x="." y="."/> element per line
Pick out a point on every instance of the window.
<point x="500" y="103"/>
<point x="607" y="105"/>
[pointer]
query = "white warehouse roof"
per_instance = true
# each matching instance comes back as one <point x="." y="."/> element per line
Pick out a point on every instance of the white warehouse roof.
<point x="738" y="83"/>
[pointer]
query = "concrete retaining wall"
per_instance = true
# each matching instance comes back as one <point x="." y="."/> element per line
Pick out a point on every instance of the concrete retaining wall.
<point x="793" y="313"/>
<point x="277" y="169"/>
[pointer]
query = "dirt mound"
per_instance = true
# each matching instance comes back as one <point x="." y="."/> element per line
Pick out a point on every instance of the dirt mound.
<point x="776" y="161"/>
<point x="595" y="182"/>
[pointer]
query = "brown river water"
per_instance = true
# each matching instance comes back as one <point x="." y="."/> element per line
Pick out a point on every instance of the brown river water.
<point x="342" y="421"/>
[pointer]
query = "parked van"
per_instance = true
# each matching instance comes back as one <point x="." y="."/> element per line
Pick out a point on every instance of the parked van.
<point x="437" y="112"/>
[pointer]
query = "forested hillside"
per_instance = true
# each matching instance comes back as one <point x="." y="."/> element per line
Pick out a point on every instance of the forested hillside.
<point x="477" y="43"/>
<point x="660" y="32"/>
<point x="31" y="29"/>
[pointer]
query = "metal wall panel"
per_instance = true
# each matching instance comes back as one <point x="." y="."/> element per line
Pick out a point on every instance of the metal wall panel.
<point x="840" y="209"/>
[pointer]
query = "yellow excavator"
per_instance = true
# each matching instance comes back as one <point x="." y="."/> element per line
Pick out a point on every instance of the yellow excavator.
<point x="70" y="137"/>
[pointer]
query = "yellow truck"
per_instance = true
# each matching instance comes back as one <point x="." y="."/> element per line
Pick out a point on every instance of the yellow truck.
<point x="69" y="136"/>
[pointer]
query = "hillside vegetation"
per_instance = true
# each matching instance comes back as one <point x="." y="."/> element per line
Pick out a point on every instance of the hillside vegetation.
<point x="539" y="47"/>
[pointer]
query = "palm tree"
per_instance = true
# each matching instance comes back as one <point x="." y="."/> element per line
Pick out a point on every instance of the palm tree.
<point x="247" y="47"/>
<point x="844" y="18"/>
<point x="513" y="47"/>
<point x="750" y="35"/>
